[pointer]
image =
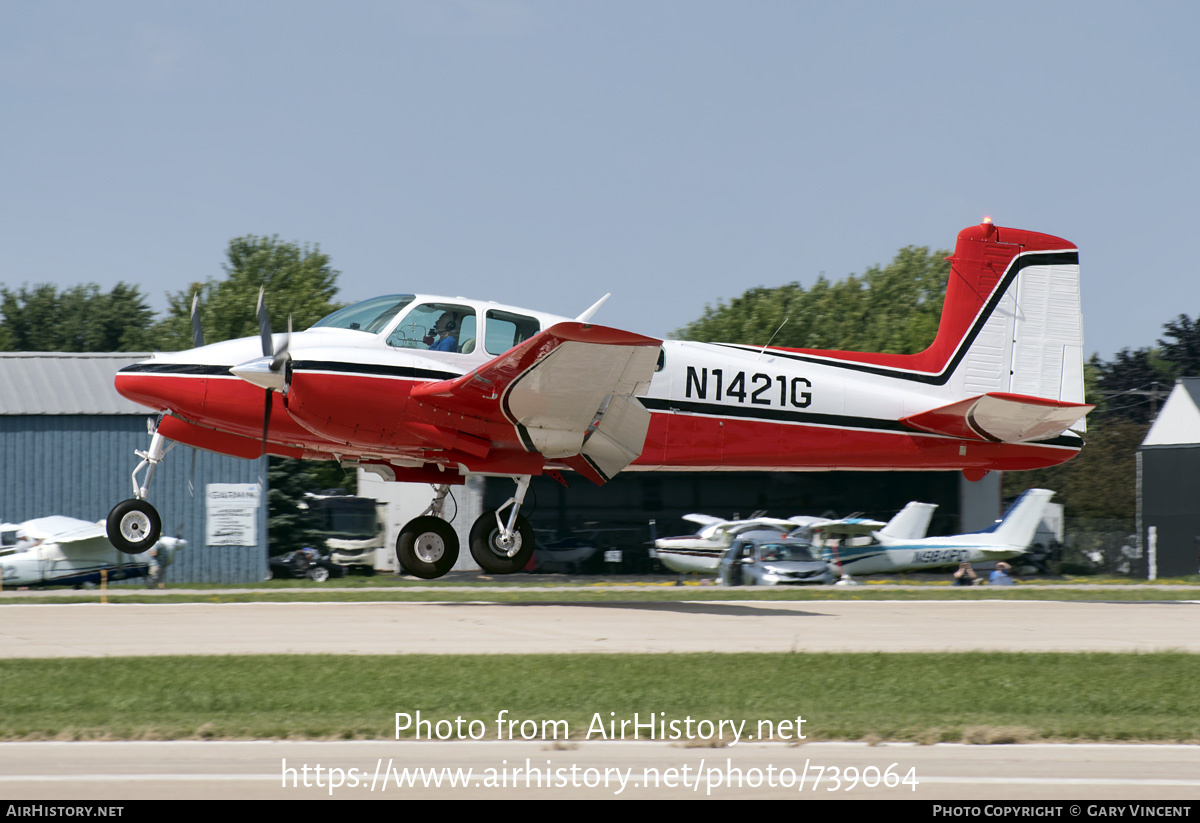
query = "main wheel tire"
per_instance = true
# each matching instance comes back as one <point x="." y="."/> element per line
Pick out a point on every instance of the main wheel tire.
<point x="427" y="547"/>
<point x="491" y="552"/>
<point x="133" y="526"/>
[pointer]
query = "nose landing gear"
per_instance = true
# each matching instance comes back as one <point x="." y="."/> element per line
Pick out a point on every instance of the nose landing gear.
<point x="134" y="525"/>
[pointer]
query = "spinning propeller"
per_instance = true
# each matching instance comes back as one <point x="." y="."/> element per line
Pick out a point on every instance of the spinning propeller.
<point x="279" y="357"/>
<point x="273" y="370"/>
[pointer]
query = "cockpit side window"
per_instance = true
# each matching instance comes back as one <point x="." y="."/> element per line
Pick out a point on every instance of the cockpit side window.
<point x="446" y="327"/>
<point x="505" y="330"/>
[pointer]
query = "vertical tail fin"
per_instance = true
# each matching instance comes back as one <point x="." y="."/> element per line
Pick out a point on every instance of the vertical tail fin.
<point x="910" y="523"/>
<point x="1011" y="321"/>
<point x="1015" y="296"/>
<point x="1021" y="520"/>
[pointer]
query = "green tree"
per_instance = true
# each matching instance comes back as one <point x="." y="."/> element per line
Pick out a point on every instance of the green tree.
<point x="78" y="319"/>
<point x="299" y="282"/>
<point x="893" y="309"/>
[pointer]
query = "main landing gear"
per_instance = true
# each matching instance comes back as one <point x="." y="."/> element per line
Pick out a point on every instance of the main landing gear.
<point x="134" y="525"/>
<point x="501" y="544"/>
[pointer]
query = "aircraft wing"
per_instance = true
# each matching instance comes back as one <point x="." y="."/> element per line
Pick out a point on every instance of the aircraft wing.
<point x="702" y="519"/>
<point x="570" y="391"/>
<point x="1001" y="417"/>
<point x="59" y="529"/>
<point x="761" y="523"/>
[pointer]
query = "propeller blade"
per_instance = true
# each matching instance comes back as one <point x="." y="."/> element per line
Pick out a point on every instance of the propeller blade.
<point x="197" y="332"/>
<point x="264" y="324"/>
<point x="281" y="355"/>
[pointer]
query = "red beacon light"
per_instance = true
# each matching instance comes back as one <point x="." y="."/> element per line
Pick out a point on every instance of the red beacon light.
<point x="989" y="228"/>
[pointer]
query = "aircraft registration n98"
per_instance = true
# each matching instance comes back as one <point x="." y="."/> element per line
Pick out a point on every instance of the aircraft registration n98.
<point x="425" y="388"/>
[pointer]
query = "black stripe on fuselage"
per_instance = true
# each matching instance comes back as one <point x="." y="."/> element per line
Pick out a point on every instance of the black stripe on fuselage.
<point x="374" y="369"/>
<point x="1062" y="258"/>
<point x="367" y="369"/>
<point x="188" y="369"/>
<point x="841" y="421"/>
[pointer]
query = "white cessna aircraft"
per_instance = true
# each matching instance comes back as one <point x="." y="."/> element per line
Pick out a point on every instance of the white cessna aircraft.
<point x="64" y="551"/>
<point x="895" y="553"/>
<point x="701" y="552"/>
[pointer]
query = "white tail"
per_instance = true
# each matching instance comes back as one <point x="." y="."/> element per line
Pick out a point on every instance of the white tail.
<point x="1021" y="521"/>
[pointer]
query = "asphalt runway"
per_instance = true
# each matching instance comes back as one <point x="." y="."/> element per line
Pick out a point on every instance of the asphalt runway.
<point x="503" y="770"/>
<point x="115" y="629"/>
<point x="594" y="769"/>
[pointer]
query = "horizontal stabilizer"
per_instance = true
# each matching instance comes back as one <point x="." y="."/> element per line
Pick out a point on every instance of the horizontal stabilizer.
<point x="1001" y="417"/>
<point x="911" y="523"/>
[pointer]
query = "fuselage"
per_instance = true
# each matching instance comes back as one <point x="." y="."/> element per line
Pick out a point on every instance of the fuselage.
<point x="349" y="396"/>
<point x="75" y="562"/>
<point x="878" y="559"/>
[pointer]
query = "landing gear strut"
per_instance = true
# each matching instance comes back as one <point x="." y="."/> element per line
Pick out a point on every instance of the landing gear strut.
<point x="428" y="546"/>
<point x="503" y="545"/>
<point x="134" y="525"/>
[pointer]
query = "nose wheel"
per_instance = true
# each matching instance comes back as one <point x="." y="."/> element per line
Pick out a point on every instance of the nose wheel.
<point x="133" y="526"/>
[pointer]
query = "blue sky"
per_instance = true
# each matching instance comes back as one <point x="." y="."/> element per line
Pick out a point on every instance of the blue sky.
<point x="543" y="152"/>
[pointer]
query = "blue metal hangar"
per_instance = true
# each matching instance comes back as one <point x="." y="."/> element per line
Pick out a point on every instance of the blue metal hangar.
<point x="67" y="443"/>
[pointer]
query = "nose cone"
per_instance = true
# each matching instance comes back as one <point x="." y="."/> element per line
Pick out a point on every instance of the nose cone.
<point x="260" y="373"/>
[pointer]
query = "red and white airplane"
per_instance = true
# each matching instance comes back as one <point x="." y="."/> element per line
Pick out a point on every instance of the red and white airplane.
<point x="431" y="389"/>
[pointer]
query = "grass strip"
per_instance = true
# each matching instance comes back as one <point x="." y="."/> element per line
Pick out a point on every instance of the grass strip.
<point x="927" y="698"/>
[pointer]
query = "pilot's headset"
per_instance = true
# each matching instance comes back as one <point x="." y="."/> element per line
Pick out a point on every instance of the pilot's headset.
<point x="451" y="321"/>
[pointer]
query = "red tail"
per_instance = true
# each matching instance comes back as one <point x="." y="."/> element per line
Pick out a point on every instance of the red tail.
<point x="982" y="256"/>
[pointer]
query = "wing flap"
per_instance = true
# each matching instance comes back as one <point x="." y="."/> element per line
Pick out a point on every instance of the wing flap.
<point x="1001" y="417"/>
<point x="569" y="391"/>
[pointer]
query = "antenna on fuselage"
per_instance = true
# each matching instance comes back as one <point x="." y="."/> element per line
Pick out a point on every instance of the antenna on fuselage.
<point x="587" y="315"/>
<point x="764" y="348"/>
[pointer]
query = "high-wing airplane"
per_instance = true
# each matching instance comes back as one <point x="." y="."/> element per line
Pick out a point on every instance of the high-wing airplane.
<point x="63" y="551"/>
<point x="423" y="388"/>
<point x="854" y="534"/>
<point x="894" y="553"/>
<point x="701" y="552"/>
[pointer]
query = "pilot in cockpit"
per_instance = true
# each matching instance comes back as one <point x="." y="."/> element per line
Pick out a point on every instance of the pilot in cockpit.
<point x="446" y="329"/>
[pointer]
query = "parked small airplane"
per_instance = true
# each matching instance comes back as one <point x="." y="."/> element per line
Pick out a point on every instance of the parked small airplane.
<point x="63" y="551"/>
<point x="832" y="537"/>
<point x="421" y="388"/>
<point x="896" y="553"/>
<point x="701" y="552"/>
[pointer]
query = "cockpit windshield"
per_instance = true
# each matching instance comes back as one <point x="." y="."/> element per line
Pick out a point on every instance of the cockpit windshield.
<point x="371" y="316"/>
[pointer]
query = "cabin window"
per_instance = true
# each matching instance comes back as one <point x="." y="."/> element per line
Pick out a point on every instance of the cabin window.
<point x="505" y="330"/>
<point x="446" y="327"/>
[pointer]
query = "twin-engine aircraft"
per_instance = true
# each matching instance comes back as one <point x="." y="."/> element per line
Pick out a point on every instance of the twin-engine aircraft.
<point x="422" y="388"/>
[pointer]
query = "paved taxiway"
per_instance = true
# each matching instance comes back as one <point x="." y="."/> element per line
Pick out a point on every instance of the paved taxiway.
<point x="105" y="630"/>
